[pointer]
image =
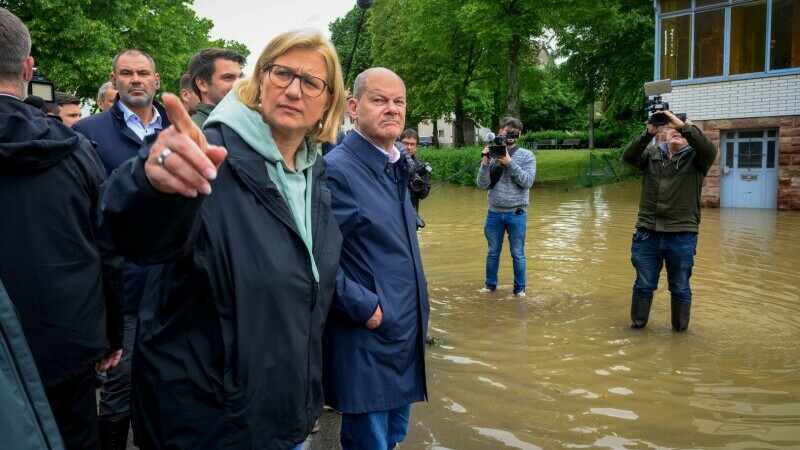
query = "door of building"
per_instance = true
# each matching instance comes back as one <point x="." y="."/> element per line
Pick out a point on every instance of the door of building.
<point x="749" y="172"/>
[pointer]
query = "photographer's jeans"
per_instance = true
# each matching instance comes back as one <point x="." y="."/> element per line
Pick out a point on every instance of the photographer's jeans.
<point x="497" y="224"/>
<point x="651" y="250"/>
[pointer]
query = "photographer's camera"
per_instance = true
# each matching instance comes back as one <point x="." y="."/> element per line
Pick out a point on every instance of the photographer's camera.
<point x="656" y="104"/>
<point x="417" y="182"/>
<point x="497" y="143"/>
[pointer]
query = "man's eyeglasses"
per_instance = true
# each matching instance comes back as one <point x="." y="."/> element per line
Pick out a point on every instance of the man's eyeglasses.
<point x="282" y="76"/>
<point x="409" y="144"/>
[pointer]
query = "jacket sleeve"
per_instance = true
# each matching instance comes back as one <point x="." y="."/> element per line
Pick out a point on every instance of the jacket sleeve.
<point x="634" y="153"/>
<point x="484" y="180"/>
<point x="110" y="261"/>
<point x="147" y="226"/>
<point x="522" y="174"/>
<point x="352" y="299"/>
<point x="706" y="152"/>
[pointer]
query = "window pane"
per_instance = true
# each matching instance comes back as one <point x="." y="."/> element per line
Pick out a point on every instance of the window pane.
<point x="708" y="43"/>
<point x="772" y="133"/>
<point x="701" y="3"/>
<point x="748" y="35"/>
<point x="675" y="5"/>
<point x="729" y="154"/>
<point x="749" y="155"/>
<point x="785" y="45"/>
<point x="770" y="154"/>
<point x="675" y="50"/>
<point x="751" y="134"/>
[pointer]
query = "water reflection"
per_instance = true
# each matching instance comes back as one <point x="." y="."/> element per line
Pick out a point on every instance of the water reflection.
<point x="562" y="368"/>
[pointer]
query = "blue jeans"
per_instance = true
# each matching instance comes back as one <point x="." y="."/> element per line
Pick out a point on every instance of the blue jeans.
<point x="376" y="430"/>
<point x="651" y="250"/>
<point x="495" y="227"/>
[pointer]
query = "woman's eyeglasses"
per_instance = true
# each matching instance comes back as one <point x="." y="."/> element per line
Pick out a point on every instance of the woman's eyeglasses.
<point x="282" y="76"/>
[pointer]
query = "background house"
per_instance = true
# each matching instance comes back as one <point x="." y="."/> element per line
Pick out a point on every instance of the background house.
<point x="735" y="70"/>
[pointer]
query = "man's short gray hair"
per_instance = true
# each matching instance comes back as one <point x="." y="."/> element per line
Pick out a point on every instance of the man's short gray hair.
<point x="360" y="84"/>
<point x="15" y="45"/>
<point x="101" y="93"/>
<point x="130" y="51"/>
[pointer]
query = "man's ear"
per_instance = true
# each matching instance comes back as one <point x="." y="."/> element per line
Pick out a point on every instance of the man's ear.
<point x="352" y="108"/>
<point x="202" y="85"/>
<point x="158" y="80"/>
<point x="27" y="69"/>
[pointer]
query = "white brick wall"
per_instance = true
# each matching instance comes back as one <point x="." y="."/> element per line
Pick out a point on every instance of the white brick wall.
<point x="757" y="97"/>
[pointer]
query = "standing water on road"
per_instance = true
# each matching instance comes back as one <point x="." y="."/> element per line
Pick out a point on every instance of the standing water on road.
<point x="563" y="369"/>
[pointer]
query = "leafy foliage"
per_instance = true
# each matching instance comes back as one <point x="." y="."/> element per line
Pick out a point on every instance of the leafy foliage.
<point x="343" y="36"/>
<point x="75" y="42"/>
<point x="609" y="49"/>
<point x="460" y="166"/>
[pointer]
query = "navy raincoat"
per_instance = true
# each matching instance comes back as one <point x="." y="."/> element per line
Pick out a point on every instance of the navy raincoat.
<point x="374" y="370"/>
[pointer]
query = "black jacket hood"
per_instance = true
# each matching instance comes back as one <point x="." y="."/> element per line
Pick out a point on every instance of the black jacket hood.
<point x="30" y="141"/>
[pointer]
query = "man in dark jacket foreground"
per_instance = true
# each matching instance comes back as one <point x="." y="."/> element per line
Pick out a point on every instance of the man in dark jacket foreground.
<point x="374" y="340"/>
<point x="669" y="213"/>
<point x="26" y="421"/>
<point x="56" y="268"/>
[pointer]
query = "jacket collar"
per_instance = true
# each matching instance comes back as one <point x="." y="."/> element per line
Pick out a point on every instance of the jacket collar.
<point x="119" y="115"/>
<point x="366" y="151"/>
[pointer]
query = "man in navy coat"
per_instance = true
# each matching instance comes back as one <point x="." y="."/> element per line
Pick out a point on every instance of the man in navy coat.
<point x="118" y="133"/>
<point x="374" y="341"/>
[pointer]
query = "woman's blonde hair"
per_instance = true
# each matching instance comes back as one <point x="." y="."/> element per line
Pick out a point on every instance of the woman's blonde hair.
<point x="248" y="93"/>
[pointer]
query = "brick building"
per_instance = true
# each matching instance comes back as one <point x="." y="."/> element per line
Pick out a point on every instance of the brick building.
<point x="735" y="70"/>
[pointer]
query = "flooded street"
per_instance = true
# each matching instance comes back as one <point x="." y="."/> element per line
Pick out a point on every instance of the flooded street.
<point x="563" y="369"/>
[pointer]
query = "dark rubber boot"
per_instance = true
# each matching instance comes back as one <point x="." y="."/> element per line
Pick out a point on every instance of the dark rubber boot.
<point x="680" y="315"/>
<point x="640" y="311"/>
<point x="114" y="434"/>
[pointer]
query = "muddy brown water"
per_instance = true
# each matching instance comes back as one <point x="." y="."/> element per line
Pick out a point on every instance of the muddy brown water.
<point x="562" y="369"/>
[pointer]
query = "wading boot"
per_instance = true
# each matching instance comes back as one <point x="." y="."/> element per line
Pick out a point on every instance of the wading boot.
<point x="680" y="315"/>
<point x="640" y="311"/>
<point x="114" y="434"/>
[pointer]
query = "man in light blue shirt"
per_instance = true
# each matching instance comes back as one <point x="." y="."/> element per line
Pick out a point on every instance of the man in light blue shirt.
<point x="118" y="133"/>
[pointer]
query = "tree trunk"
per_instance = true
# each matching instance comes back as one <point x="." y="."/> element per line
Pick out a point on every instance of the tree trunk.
<point x="512" y="96"/>
<point x="591" y="126"/>
<point x="435" y="137"/>
<point x="458" y="140"/>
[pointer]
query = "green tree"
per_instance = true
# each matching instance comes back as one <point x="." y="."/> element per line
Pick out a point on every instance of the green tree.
<point x="433" y="46"/>
<point x="343" y="36"/>
<point x="609" y="49"/>
<point x="549" y="101"/>
<point x="75" y="42"/>
<point x="512" y="30"/>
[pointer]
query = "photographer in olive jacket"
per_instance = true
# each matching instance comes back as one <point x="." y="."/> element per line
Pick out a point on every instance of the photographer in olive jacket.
<point x="669" y="212"/>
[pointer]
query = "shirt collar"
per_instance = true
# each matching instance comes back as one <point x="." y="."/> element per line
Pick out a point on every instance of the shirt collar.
<point x="393" y="155"/>
<point x="128" y="114"/>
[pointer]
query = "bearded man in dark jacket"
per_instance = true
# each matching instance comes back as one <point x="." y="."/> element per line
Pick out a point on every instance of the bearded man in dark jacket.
<point x="63" y="281"/>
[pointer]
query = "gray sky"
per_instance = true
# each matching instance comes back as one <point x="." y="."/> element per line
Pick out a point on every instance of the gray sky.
<point x="255" y="22"/>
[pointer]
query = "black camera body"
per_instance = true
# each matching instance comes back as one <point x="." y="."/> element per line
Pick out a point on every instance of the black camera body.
<point x="657" y="105"/>
<point x="417" y="184"/>
<point x="654" y="105"/>
<point x="497" y="144"/>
